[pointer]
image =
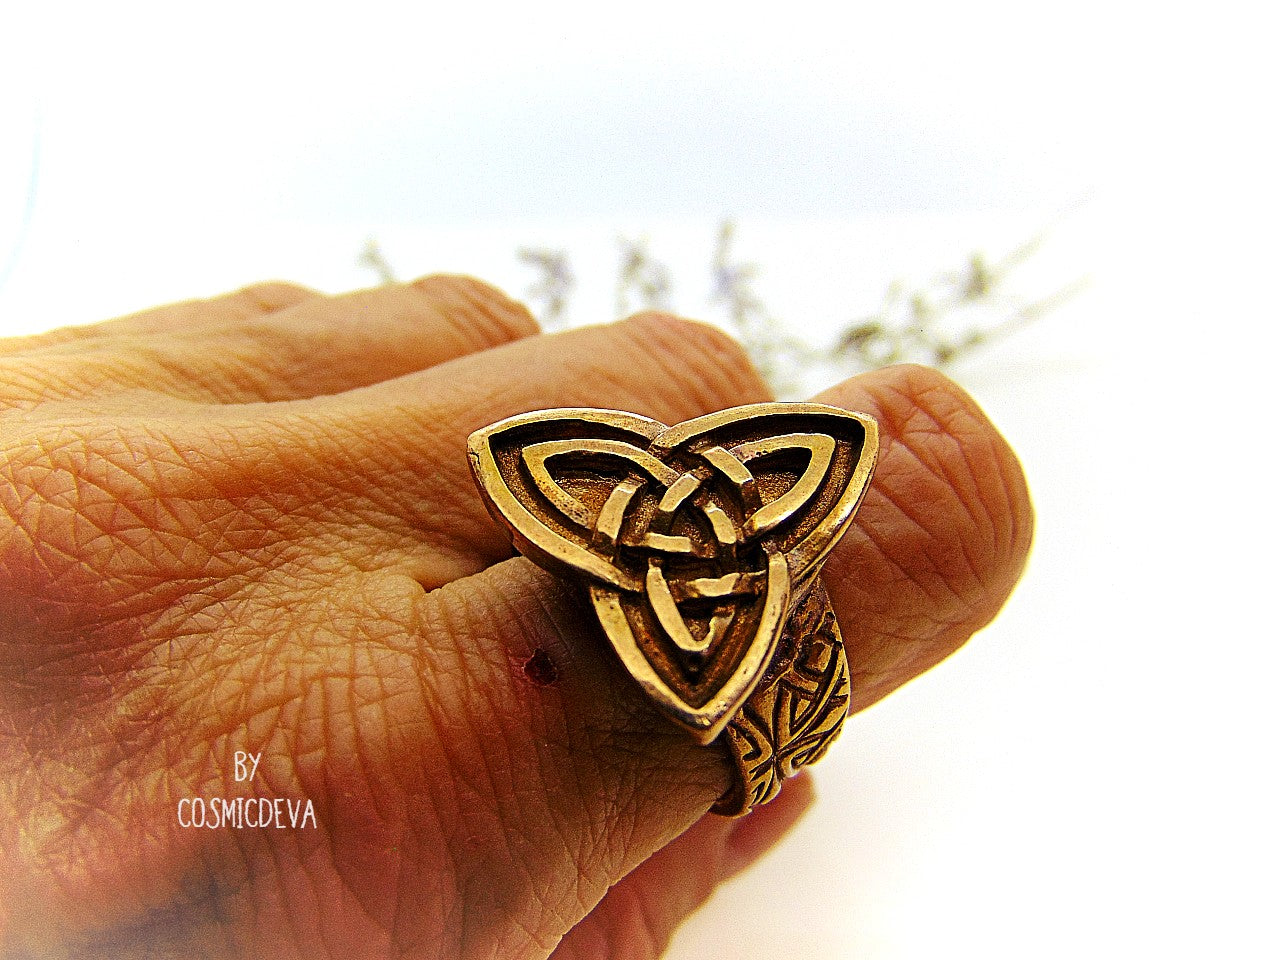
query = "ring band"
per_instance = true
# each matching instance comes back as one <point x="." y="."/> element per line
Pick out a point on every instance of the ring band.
<point x="700" y="547"/>
<point x="792" y="717"/>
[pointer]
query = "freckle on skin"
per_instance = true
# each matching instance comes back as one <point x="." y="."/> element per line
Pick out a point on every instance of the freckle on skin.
<point x="541" y="669"/>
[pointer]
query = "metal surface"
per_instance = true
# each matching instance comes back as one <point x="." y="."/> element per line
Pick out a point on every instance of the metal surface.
<point x="700" y="546"/>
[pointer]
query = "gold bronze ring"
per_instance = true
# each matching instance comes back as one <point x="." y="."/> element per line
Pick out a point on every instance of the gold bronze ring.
<point x="700" y="546"/>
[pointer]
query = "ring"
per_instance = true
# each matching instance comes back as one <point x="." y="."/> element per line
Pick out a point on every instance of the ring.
<point x="699" y="546"/>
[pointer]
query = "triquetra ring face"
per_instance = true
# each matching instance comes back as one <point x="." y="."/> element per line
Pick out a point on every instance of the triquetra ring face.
<point x="697" y="542"/>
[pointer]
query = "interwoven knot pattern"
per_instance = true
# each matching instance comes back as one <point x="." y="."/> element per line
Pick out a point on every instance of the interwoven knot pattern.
<point x="699" y="546"/>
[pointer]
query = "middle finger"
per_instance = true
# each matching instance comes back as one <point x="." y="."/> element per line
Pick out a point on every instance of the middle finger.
<point x="397" y="450"/>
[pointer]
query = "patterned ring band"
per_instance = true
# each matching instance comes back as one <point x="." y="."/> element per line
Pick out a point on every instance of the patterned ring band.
<point x="700" y="547"/>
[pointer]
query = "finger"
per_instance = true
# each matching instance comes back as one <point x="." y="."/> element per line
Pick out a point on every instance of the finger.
<point x="395" y="451"/>
<point x="941" y="543"/>
<point x="655" y="364"/>
<point x="332" y="344"/>
<point x="319" y="345"/>
<point x="942" y="535"/>
<point x="638" y="916"/>
<point x="190" y="315"/>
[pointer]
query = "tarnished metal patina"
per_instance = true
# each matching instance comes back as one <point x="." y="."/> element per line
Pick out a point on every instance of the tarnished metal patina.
<point x="699" y="546"/>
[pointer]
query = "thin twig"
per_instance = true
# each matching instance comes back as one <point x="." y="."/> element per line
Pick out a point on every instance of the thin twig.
<point x="555" y="283"/>
<point x="372" y="257"/>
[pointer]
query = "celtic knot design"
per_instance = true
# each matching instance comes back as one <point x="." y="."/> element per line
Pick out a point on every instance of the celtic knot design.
<point x="790" y="723"/>
<point x="696" y="542"/>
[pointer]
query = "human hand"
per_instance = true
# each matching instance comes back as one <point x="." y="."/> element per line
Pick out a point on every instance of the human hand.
<point x="243" y="532"/>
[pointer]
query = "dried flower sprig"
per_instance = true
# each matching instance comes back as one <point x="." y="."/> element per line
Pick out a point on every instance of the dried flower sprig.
<point x="639" y="274"/>
<point x="938" y="322"/>
<point x="919" y="324"/>
<point x="778" y="355"/>
<point x="372" y="257"/>
<point x="555" y="283"/>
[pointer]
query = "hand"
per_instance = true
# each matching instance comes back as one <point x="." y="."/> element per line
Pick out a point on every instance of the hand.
<point x="242" y="533"/>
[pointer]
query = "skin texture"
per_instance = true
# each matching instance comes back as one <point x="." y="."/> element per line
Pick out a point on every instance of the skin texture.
<point x="248" y="524"/>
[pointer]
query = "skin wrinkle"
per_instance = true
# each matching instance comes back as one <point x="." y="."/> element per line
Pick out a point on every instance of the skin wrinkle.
<point x="36" y="383"/>
<point x="122" y="748"/>
<point x="260" y="693"/>
<point x="275" y="363"/>
<point x="1018" y="507"/>
<point x="377" y="703"/>
<point x="363" y="763"/>
<point x="286" y="890"/>
<point x="222" y="615"/>
<point x="471" y="873"/>
<point x="24" y="389"/>
<point x="605" y="746"/>
<point x="161" y="369"/>
<point x="609" y="749"/>
<point x="506" y="318"/>
<point x="541" y="725"/>
<point x="651" y="942"/>
<point x="678" y="387"/>
<point x="413" y="517"/>
<point x="312" y="696"/>
<point x="498" y="615"/>
<point x="47" y="696"/>
<point x="888" y="491"/>
<point x="616" y="385"/>
<point x="881" y="535"/>
<point x="952" y="429"/>
<point x="964" y="483"/>
<point x="347" y="819"/>
<point x="266" y="297"/>
<point x="400" y="927"/>
<point x="161" y="515"/>
<point x="937" y="576"/>
<point x="514" y="797"/>
<point x="997" y="456"/>
<point x="117" y="507"/>
<point x="723" y="376"/>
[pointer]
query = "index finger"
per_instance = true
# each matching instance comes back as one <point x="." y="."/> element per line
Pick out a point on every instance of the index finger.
<point x="257" y="300"/>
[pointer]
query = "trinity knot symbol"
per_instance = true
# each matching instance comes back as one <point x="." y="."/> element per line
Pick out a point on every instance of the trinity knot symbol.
<point x="696" y="541"/>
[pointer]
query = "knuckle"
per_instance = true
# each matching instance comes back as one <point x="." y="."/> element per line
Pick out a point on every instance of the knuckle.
<point x="703" y="365"/>
<point x="272" y="295"/>
<point x="952" y="474"/>
<point x="480" y="310"/>
<point x="688" y="340"/>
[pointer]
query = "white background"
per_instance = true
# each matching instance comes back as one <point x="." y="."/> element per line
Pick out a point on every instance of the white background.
<point x="1094" y="774"/>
